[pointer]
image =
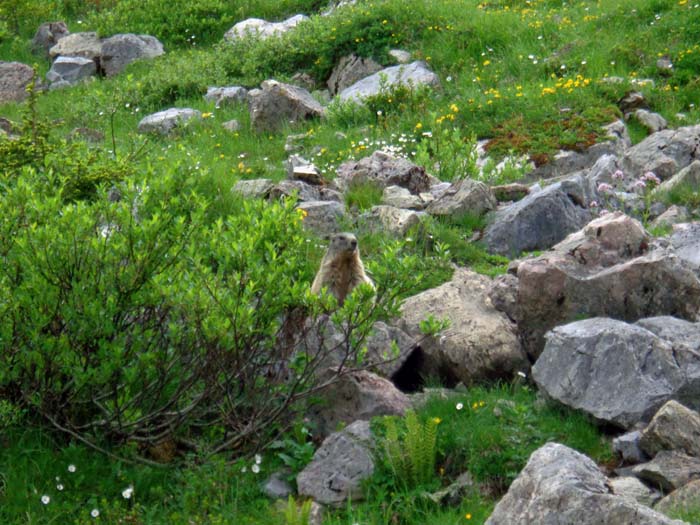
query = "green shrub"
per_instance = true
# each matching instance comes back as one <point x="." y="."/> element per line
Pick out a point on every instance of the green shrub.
<point x="73" y="166"/>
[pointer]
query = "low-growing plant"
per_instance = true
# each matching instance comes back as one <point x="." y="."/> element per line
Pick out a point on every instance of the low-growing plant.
<point x="78" y="169"/>
<point x="684" y="194"/>
<point x="444" y="147"/>
<point x="295" y="449"/>
<point x="410" y="450"/>
<point x="363" y="195"/>
<point x="295" y="513"/>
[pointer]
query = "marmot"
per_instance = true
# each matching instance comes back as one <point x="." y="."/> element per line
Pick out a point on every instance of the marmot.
<point x="341" y="268"/>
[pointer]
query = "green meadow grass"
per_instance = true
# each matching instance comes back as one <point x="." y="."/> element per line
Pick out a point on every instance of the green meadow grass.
<point x="530" y="77"/>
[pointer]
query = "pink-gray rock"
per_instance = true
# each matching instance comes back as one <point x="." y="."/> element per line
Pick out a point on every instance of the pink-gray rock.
<point x="339" y="466"/>
<point x="465" y="196"/>
<point x="350" y="69"/>
<point x="674" y="427"/>
<point x="607" y="271"/>
<point x="14" y="79"/>
<point x="119" y="51"/>
<point x="165" y="122"/>
<point x="480" y="343"/>
<point x="383" y="169"/>
<point x="47" y="35"/>
<point x="618" y="373"/>
<point x="415" y="74"/>
<point x="664" y="153"/>
<point x="277" y="104"/>
<point x="357" y="395"/>
<point x="560" y="486"/>
<point x="86" y="45"/>
<point x="669" y="470"/>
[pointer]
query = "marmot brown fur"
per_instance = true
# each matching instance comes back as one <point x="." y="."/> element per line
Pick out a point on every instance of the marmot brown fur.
<point x="341" y="268"/>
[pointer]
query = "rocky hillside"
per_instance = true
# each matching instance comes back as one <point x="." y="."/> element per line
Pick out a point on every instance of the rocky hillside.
<point x="524" y="182"/>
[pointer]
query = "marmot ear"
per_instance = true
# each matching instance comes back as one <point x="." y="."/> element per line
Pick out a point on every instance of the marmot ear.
<point x="327" y="237"/>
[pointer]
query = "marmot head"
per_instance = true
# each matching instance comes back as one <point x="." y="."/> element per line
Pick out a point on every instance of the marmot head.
<point x="343" y="244"/>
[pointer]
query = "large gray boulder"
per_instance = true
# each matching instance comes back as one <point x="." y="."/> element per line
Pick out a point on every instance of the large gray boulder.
<point x="356" y="395"/>
<point x="71" y="70"/>
<point x="674" y="427"/>
<point x="664" y="153"/>
<point x="47" y="35"/>
<point x="165" y="122"/>
<point x="277" y="104"/>
<point x="383" y="169"/>
<point x="560" y="486"/>
<point x="119" y="51"/>
<point x="86" y="45"/>
<point x="620" y="374"/>
<point x="339" y="466"/>
<point x="686" y="242"/>
<point x="479" y="345"/>
<point x="350" y="69"/>
<point x="257" y="27"/>
<point x="605" y="270"/>
<point x="464" y="196"/>
<point x="415" y="74"/>
<point x="538" y="221"/>
<point x="14" y="79"/>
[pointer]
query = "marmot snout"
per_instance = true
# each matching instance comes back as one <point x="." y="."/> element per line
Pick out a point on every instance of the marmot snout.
<point x="341" y="268"/>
